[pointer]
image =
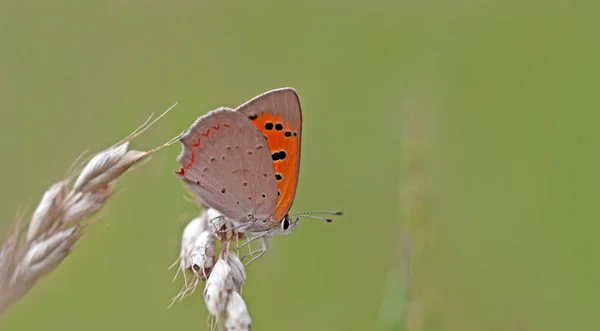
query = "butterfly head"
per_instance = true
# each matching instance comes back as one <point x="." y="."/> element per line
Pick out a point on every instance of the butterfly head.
<point x="287" y="224"/>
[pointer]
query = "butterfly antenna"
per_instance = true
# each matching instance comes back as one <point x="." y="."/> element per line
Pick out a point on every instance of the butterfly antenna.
<point x="328" y="220"/>
<point x="311" y="214"/>
<point x="319" y="212"/>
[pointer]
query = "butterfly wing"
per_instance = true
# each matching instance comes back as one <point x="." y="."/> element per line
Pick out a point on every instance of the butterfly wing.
<point x="277" y="114"/>
<point x="226" y="163"/>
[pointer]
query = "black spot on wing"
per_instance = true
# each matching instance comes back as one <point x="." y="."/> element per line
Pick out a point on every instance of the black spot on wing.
<point x="278" y="155"/>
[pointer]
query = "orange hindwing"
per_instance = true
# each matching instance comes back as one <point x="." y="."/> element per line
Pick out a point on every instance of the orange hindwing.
<point x="284" y="144"/>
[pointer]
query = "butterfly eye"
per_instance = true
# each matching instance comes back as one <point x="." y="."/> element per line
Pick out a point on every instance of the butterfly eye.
<point x="285" y="224"/>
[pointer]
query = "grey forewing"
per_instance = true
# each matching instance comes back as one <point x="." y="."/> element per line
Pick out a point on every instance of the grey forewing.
<point x="228" y="166"/>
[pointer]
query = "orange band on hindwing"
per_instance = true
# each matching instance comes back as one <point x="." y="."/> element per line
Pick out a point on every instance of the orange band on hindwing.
<point x="284" y="146"/>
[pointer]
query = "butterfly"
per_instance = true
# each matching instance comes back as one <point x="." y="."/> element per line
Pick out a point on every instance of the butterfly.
<point x="245" y="163"/>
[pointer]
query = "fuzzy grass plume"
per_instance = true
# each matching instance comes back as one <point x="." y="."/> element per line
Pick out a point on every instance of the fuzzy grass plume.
<point x="34" y="249"/>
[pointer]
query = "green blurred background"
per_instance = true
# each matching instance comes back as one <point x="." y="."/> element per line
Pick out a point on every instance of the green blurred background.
<point x="506" y="234"/>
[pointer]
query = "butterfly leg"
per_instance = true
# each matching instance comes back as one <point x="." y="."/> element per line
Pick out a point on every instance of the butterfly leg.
<point x="254" y="252"/>
<point x="249" y="241"/>
<point x="261" y="251"/>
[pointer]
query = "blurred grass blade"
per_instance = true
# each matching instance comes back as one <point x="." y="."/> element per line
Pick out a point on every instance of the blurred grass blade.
<point x="394" y="305"/>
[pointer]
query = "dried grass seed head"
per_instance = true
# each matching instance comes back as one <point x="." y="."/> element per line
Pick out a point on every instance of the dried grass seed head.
<point x="24" y="258"/>
<point x="190" y="234"/>
<point x="43" y="256"/>
<point x="238" y="318"/>
<point x="218" y="287"/>
<point x="238" y="271"/>
<point x="82" y="205"/>
<point x="127" y="161"/>
<point x="202" y="257"/>
<point x="97" y="166"/>
<point x="48" y="210"/>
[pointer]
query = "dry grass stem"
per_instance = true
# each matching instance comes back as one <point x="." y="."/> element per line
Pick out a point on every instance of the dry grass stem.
<point x="60" y="218"/>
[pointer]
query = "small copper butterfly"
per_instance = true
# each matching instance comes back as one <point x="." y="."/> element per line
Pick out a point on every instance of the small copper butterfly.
<point x="245" y="163"/>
